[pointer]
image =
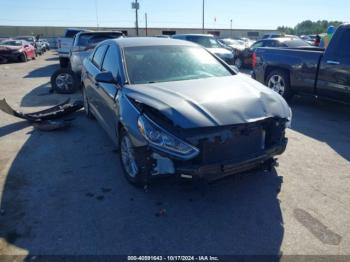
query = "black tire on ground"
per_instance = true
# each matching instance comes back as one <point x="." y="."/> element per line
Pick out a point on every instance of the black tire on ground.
<point x="141" y="156"/>
<point x="64" y="62"/>
<point x="22" y="58"/>
<point x="278" y="80"/>
<point x="64" y="81"/>
<point x="35" y="55"/>
<point x="87" y="105"/>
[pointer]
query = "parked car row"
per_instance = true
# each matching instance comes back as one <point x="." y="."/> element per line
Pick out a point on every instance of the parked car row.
<point x="22" y="48"/>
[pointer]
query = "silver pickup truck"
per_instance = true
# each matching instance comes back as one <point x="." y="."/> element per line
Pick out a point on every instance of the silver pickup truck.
<point x="64" y="45"/>
<point x="67" y="80"/>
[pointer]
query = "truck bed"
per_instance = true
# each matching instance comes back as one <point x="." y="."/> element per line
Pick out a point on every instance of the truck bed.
<point x="301" y="64"/>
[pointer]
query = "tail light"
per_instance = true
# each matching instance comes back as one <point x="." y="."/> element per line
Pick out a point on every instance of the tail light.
<point x="254" y="60"/>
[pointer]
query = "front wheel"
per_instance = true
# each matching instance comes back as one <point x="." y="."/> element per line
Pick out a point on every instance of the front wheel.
<point x="134" y="161"/>
<point x="64" y="81"/>
<point x="23" y="58"/>
<point x="87" y="105"/>
<point x="278" y="81"/>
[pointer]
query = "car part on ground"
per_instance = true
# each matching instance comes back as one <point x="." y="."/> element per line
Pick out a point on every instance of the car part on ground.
<point x="51" y="125"/>
<point x="43" y="119"/>
<point x="64" y="81"/>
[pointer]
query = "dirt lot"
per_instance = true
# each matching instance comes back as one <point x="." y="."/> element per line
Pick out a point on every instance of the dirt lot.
<point x="64" y="193"/>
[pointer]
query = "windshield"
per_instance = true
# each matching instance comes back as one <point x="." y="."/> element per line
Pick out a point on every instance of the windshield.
<point x="12" y="43"/>
<point x="94" y="39"/>
<point x="296" y="43"/>
<point x="29" y="39"/>
<point x="150" y="64"/>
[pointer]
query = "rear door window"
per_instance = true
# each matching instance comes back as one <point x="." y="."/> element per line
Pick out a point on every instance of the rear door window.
<point x="99" y="55"/>
<point x="343" y="46"/>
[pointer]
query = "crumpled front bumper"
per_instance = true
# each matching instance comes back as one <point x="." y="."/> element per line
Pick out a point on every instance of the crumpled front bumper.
<point x="220" y="170"/>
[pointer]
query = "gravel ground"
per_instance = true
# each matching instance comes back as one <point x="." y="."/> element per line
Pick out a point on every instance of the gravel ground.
<point x="64" y="193"/>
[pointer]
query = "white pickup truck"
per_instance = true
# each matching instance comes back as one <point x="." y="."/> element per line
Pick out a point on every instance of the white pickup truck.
<point x="64" y="45"/>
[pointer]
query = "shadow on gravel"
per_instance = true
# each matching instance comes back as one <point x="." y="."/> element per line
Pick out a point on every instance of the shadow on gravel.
<point x="325" y="121"/>
<point x="65" y="194"/>
<point x="45" y="71"/>
<point x="52" y="59"/>
<point x="11" y="128"/>
<point x="42" y="96"/>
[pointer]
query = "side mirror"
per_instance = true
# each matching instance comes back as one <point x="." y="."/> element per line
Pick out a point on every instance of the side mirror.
<point x="105" y="77"/>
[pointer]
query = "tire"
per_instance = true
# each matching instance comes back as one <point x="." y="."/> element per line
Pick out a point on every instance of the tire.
<point x="278" y="80"/>
<point x="87" y="105"/>
<point x="23" y="58"/>
<point x="64" y="81"/>
<point x="137" y="173"/>
<point x="64" y="62"/>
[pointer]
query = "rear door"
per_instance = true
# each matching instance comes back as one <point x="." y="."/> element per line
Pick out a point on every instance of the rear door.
<point x="334" y="74"/>
<point x="107" y="92"/>
<point x="93" y="68"/>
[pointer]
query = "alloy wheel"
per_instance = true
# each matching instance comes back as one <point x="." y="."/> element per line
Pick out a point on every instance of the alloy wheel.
<point x="64" y="81"/>
<point x="128" y="157"/>
<point x="277" y="83"/>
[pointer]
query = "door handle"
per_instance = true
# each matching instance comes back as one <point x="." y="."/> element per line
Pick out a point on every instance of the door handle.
<point x="331" y="62"/>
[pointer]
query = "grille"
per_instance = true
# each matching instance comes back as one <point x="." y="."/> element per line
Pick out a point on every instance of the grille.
<point x="245" y="142"/>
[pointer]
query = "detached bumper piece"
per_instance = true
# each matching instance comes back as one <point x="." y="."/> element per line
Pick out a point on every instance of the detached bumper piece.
<point x="45" y="119"/>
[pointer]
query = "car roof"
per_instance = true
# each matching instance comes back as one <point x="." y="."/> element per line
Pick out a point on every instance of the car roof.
<point x="281" y="39"/>
<point x="206" y="35"/>
<point x="150" y="41"/>
<point x="98" y="32"/>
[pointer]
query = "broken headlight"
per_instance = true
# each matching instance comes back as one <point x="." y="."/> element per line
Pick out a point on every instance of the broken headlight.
<point x="164" y="141"/>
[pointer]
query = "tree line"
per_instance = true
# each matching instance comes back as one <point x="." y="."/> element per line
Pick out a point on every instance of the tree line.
<point x="308" y="27"/>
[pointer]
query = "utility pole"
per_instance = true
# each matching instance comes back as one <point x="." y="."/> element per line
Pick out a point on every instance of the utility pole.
<point x="231" y="29"/>
<point x="96" y="10"/>
<point x="135" y="5"/>
<point x="203" y="16"/>
<point x="146" y="24"/>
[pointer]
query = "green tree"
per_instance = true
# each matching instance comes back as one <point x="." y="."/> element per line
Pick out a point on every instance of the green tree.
<point x="309" y="27"/>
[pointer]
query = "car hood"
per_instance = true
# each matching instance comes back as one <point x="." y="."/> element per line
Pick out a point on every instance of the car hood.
<point x="9" y="47"/>
<point x="216" y="101"/>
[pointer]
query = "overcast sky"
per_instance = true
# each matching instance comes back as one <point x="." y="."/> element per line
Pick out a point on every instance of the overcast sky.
<point x="260" y="14"/>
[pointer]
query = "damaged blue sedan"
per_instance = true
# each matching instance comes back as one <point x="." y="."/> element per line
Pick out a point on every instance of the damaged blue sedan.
<point x="172" y="107"/>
